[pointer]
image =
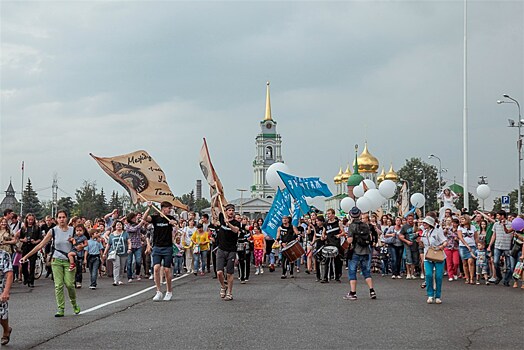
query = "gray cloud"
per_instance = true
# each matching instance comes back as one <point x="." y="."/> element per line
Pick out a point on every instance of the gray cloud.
<point x="112" y="77"/>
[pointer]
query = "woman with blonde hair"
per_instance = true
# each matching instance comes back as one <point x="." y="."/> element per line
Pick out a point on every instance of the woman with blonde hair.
<point x="468" y="239"/>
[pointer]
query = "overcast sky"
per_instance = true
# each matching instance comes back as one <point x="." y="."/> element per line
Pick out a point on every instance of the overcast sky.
<point x="114" y="77"/>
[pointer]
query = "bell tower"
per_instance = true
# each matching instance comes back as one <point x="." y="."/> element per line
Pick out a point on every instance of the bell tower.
<point x="268" y="151"/>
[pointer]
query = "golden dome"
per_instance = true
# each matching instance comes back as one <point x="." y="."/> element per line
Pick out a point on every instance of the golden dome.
<point x="392" y="175"/>
<point x="346" y="174"/>
<point x="367" y="163"/>
<point x="382" y="176"/>
<point x="338" y="178"/>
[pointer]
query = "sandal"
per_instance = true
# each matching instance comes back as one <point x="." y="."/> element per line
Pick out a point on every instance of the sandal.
<point x="228" y="297"/>
<point x="6" y="338"/>
<point x="222" y="292"/>
<point x="466" y="281"/>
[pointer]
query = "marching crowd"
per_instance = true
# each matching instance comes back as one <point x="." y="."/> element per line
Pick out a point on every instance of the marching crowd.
<point x="483" y="248"/>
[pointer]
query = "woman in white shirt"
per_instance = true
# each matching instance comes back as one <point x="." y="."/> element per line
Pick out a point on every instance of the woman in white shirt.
<point x="433" y="238"/>
<point x="468" y="238"/>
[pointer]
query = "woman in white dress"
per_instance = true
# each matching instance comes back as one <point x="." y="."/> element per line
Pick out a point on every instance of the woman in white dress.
<point x="448" y="198"/>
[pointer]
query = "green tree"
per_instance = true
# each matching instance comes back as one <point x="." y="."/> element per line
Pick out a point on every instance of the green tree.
<point x="473" y="203"/>
<point x="89" y="203"/>
<point x="47" y="208"/>
<point x="65" y="203"/>
<point x="189" y="200"/>
<point x="116" y="202"/>
<point x="31" y="203"/>
<point x="201" y="204"/>
<point x="413" y="171"/>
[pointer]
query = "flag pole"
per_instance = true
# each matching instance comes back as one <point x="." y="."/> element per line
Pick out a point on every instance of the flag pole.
<point x="22" y="191"/>
<point x="158" y="210"/>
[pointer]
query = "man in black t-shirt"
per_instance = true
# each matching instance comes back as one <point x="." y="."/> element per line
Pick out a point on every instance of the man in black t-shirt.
<point x="227" y="236"/>
<point x="286" y="233"/>
<point x="162" y="247"/>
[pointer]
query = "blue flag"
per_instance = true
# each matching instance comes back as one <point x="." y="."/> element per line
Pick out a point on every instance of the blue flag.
<point x="302" y="187"/>
<point x="279" y="209"/>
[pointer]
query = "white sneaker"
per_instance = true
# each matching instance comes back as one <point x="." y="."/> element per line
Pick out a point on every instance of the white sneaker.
<point x="422" y="276"/>
<point x="168" y="296"/>
<point x="130" y="280"/>
<point x="151" y="277"/>
<point x="261" y="270"/>
<point x="430" y="300"/>
<point x="256" y="272"/>
<point x="450" y="279"/>
<point x="158" y="296"/>
<point x="438" y="301"/>
<point x="408" y="277"/>
<point x="455" y="277"/>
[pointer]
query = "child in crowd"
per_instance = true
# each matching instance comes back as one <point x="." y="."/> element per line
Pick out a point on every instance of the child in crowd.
<point x="178" y="256"/>
<point x="259" y="242"/>
<point x="94" y="251"/>
<point x="79" y="241"/>
<point x="482" y="262"/>
<point x="17" y="271"/>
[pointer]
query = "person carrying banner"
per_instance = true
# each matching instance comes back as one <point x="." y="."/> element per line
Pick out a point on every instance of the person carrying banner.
<point x="285" y="234"/>
<point x="227" y="236"/>
<point x="162" y="247"/>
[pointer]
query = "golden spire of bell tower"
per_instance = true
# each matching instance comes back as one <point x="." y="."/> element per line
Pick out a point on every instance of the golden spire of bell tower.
<point x="268" y="104"/>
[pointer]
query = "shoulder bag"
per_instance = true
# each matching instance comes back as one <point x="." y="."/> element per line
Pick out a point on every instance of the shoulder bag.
<point x="434" y="255"/>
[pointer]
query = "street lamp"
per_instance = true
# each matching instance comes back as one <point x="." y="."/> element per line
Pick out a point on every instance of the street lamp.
<point x="423" y="186"/>
<point x="518" y="124"/>
<point x="440" y="174"/>
<point x="241" y="190"/>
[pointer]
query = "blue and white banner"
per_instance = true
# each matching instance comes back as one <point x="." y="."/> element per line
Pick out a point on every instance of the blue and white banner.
<point x="279" y="209"/>
<point x="307" y="186"/>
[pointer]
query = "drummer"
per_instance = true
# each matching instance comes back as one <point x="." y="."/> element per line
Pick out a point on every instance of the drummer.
<point x="331" y="234"/>
<point x="317" y="226"/>
<point x="286" y="233"/>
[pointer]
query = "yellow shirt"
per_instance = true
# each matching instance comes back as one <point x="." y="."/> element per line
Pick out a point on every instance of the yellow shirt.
<point x="202" y="239"/>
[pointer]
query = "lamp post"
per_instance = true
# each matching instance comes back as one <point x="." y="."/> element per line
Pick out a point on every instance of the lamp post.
<point x="439" y="174"/>
<point x="423" y="186"/>
<point x="241" y="190"/>
<point x="518" y="124"/>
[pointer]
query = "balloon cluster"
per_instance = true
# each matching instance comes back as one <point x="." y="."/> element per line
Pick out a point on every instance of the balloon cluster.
<point x="368" y="196"/>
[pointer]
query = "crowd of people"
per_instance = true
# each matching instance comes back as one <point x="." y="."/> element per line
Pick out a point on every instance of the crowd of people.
<point x="481" y="248"/>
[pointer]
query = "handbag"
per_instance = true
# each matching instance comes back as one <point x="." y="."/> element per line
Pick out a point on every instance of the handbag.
<point x="111" y="255"/>
<point x="435" y="255"/>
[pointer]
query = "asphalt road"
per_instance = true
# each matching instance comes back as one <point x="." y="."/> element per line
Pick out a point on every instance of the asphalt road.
<point x="270" y="313"/>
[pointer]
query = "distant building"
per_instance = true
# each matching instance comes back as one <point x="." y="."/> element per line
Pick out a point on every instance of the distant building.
<point x="9" y="201"/>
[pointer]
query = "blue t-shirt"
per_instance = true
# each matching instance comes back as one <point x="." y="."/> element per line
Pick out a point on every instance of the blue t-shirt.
<point x="93" y="247"/>
<point x="118" y="243"/>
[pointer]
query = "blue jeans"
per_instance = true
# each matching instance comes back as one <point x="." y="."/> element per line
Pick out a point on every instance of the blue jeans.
<point x="496" y="260"/>
<point x="355" y="261"/>
<point x="137" y="254"/>
<point x="179" y="264"/>
<point x="439" y="272"/>
<point x="197" y="258"/>
<point x="93" y="263"/>
<point x="395" y="253"/>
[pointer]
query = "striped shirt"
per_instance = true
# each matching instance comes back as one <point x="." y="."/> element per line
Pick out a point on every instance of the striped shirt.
<point x="502" y="239"/>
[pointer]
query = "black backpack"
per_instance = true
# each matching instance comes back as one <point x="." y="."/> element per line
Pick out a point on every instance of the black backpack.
<point x="361" y="234"/>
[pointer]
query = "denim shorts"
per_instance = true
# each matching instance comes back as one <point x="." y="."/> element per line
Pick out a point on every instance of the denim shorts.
<point x="162" y="255"/>
<point x="412" y="257"/>
<point x="465" y="254"/>
<point x="356" y="261"/>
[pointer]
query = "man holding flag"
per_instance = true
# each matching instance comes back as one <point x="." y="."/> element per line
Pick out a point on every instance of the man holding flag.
<point x="227" y="250"/>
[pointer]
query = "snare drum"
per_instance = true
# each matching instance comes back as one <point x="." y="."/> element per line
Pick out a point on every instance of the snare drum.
<point x="330" y="251"/>
<point x="293" y="251"/>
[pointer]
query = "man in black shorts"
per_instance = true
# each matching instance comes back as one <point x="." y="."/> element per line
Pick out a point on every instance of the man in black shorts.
<point x="162" y="247"/>
<point x="227" y="235"/>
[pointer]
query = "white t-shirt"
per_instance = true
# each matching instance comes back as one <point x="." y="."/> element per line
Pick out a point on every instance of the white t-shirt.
<point x="468" y="234"/>
<point x="188" y="233"/>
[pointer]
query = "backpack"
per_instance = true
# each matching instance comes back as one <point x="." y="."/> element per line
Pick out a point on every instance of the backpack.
<point x="361" y="234"/>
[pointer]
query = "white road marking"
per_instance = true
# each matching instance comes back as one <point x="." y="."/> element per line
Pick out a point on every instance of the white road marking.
<point x="94" y="308"/>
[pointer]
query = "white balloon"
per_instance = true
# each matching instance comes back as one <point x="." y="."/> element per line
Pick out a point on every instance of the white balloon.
<point x="346" y="204"/>
<point x="483" y="191"/>
<point x="272" y="177"/>
<point x="375" y="197"/>
<point x="369" y="184"/>
<point x="358" y="191"/>
<point x="364" y="204"/>
<point x="417" y="200"/>
<point x="387" y="188"/>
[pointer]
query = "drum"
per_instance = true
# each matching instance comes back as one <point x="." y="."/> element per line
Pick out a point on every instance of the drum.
<point x="293" y="251"/>
<point x="329" y="251"/>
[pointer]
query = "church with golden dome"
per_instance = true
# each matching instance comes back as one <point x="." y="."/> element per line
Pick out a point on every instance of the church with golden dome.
<point x="365" y="166"/>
